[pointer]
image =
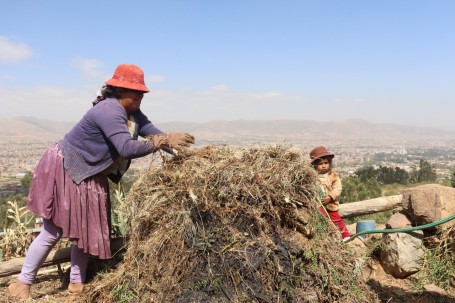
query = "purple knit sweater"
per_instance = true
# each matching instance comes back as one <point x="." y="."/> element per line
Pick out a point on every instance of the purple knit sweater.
<point x="101" y="136"/>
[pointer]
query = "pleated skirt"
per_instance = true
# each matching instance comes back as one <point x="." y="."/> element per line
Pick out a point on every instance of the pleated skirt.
<point x="82" y="211"/>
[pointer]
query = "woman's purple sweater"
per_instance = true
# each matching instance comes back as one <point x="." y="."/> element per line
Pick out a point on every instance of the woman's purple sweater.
<point x="101" y="136"/>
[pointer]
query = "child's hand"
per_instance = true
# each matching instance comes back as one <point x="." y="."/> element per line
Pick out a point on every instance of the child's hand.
<point x="326" y="199"/>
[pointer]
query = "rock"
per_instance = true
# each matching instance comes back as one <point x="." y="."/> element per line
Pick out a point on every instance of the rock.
<point x="399" y="220"/>
<point x="402" y="253"/>
<point x="434" y="289"/>
<point x="377" y="236"/>
<point x="351" y="228"/>
<point x="429" y="203"/>
<point x="358" y="246"/>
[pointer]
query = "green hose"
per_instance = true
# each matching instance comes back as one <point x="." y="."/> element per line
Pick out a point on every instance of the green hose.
<point x="399" y="230"/>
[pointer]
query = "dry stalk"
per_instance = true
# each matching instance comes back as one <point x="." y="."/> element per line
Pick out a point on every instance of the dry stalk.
<point x="223" y="223"/>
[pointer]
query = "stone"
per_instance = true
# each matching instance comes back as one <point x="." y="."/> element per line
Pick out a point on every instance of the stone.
<point x="434" y="289"/>
<point x="402" y="253"/>
<point x="429" y="203"/>
<point x="399" y="220"/>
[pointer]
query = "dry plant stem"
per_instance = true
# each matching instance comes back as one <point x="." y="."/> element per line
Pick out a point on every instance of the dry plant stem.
<point x="221" y="223"/>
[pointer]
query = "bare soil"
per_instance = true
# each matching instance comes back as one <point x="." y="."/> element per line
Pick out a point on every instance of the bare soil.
<point x="51" y="287"/>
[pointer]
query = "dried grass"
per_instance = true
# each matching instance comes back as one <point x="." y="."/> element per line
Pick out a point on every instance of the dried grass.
<point x="17" y="237"/>
<point x="439" y="264"/>
<point x="231" y="225"/>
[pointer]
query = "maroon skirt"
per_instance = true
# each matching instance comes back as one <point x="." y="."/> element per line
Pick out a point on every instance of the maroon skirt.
<point x="82" y="211"/>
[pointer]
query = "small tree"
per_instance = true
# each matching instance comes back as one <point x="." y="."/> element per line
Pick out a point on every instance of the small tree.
<point x="426" y="172"/>
<point x="26" y="181"/>
<point x="356" y="190"/>
<point x="452" y="179"/>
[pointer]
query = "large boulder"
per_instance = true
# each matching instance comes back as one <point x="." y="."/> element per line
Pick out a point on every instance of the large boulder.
<point x="402" y="253"/>
<point x="429" y="203"/>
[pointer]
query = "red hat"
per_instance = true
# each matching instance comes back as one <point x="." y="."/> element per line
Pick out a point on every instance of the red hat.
<point x="319" y="152"/>
<point x="128" y="76"/>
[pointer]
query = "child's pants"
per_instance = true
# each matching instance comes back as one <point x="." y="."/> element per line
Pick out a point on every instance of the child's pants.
<point x="40" y="249"/>
<point x="336" y="219"/>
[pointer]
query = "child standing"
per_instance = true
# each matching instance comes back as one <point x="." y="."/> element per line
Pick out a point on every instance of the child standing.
<point x="330" y="185"/>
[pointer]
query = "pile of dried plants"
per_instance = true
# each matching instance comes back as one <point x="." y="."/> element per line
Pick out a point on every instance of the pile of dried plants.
<point x="231" y="225"/>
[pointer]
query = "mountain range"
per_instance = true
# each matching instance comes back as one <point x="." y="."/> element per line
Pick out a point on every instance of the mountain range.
<point x="354" y="131"/>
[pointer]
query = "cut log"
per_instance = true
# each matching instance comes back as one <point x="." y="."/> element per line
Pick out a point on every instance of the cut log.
<point x="62" y="255"/>
<point x="354" y="209"/>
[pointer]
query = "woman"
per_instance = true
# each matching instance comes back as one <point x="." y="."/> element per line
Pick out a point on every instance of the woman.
<point x="70" y="184"/>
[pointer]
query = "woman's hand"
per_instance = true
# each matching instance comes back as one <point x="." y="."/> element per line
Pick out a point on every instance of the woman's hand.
<point x="179" y="141"/>
<point x="159" y="141"/>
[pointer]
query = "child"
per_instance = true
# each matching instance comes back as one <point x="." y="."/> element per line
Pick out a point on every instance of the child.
<point x="330" y="185"/>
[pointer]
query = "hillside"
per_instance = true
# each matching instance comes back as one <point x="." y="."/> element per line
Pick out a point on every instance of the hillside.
<point x="32" y="128"/>
<point x="346" y="132"/>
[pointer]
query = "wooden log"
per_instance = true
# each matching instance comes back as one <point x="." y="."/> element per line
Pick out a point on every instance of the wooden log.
<point x="62" y="255"/>
<point x="354" y="209"/>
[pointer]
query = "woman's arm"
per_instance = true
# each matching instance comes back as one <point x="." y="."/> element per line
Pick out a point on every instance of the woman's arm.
<point x="112" y="121"/>
<point x="146" y="127"/>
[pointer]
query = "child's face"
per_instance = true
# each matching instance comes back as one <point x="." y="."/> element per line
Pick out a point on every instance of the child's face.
<point x="323" y="166"/>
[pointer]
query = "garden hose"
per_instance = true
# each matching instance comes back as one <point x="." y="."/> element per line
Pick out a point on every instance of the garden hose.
<point x="399" y="230"/>
<point x="321" y="191"/>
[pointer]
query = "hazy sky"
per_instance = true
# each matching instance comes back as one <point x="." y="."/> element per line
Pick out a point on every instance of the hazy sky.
<point x="388" y="61"/>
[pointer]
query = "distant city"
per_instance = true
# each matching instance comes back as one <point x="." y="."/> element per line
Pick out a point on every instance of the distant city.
<point x="355" y="143"/>
<point x="18" y="157"/>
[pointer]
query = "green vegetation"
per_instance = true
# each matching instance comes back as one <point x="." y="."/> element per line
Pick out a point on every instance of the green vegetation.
<point x="354" y="189"/>
<point x="26" y="181"/>
<point x="452" y="179"/>
<point x="387" y="175"/>
<point x="119" y="220"/>
<point x="384" y="175"/>
<point x="439" y="263"/>
<point x="122" y="294"/>
<point x="369" y="182"/>
<point x="425" y="173"/>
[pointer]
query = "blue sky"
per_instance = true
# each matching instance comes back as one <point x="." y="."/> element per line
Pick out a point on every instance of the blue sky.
<point x="383" y="61"/>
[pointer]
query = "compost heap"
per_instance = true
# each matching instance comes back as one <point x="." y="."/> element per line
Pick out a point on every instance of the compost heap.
<point x="231" y="225"/>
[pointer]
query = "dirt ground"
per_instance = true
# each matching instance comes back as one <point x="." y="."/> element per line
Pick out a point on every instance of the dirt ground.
<point x="49" y="288"/>
<point x="390" y="289"/>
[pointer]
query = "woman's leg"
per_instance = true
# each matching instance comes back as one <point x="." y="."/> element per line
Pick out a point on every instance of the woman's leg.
<point x="37" y="253"/>
<point x="79" y="261"/>
<point x="39" y="250"/>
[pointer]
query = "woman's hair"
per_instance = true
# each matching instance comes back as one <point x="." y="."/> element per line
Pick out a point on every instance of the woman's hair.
<point x="107" y="91"/>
